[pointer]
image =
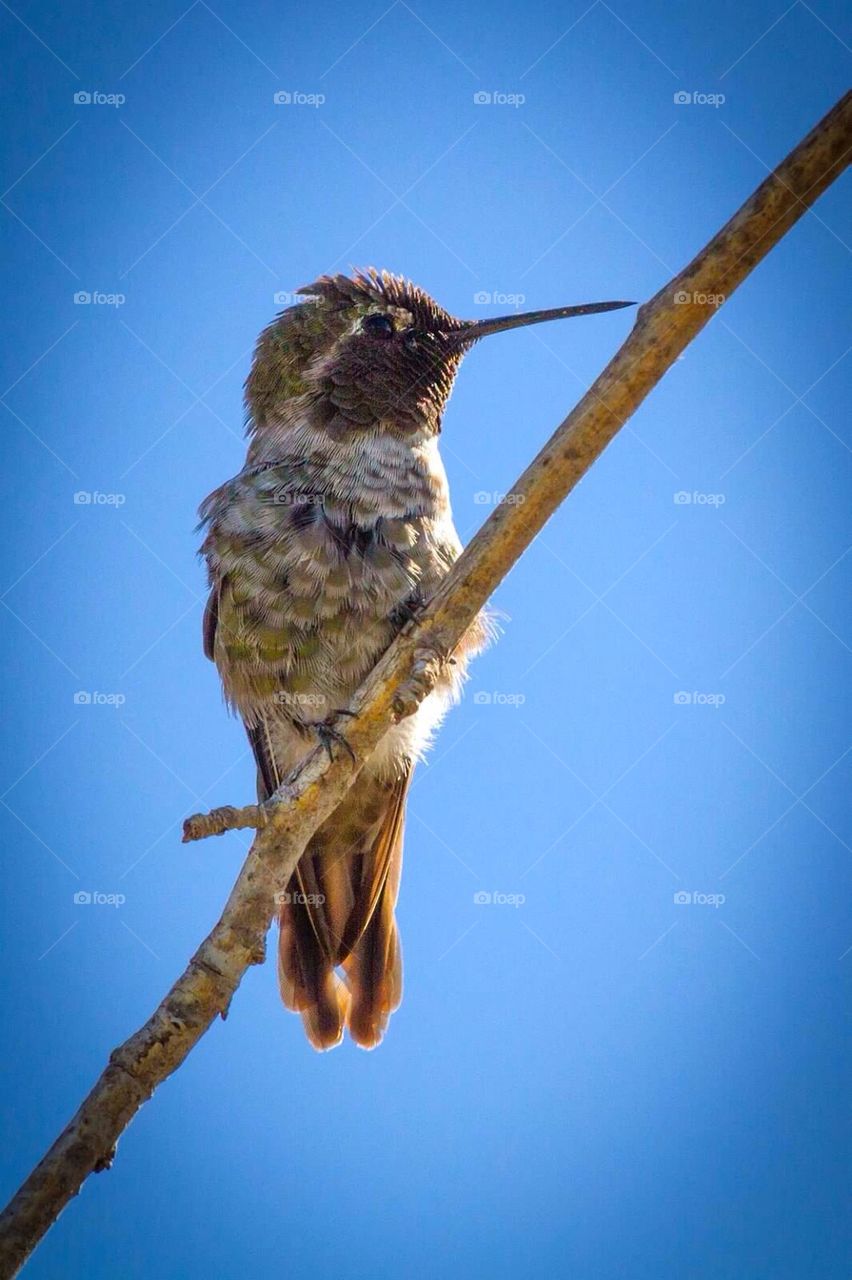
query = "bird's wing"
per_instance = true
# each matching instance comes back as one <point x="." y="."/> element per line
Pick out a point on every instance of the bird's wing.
<point x="208" y="626"/>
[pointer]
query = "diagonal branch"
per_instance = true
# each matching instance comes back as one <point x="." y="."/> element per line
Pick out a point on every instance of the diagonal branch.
<point x="404" y="676"/>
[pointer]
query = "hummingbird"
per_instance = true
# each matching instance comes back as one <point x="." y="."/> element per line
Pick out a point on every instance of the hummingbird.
<point x="333" y="535"/>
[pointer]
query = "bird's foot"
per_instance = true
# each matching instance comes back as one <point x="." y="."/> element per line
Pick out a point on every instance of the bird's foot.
<point x="328" y="735"/>
<point x="407" y="611"/>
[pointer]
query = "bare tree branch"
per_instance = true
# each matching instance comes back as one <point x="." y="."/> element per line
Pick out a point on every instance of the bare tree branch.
<point x="404" y="676"/>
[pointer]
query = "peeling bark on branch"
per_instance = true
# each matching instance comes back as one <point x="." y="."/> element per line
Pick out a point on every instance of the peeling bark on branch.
<point x="403" y="677"/>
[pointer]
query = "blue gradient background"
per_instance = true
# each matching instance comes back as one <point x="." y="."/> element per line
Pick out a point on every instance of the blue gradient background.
<point x="598" y="1083"/>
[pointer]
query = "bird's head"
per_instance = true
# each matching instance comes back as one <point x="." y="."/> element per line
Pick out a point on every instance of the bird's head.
<point x="370" y="351"/>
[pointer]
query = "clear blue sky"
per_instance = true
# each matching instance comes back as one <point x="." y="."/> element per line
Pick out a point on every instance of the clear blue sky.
<point x="601" y="1082"/>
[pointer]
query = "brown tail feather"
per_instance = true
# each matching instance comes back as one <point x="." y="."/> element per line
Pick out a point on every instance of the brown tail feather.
<point x="351" y="871"/>
<point x="339" y="909"/>
<point x="374" y="971"/>
<point x="307" y="981"/>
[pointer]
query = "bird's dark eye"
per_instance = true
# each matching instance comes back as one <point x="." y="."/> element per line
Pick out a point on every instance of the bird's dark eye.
<point x="413" y="338"/>
<point x="378" y="326"/>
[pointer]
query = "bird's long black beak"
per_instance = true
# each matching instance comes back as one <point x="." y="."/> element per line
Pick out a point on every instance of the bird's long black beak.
<point x="473" y="330"/>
